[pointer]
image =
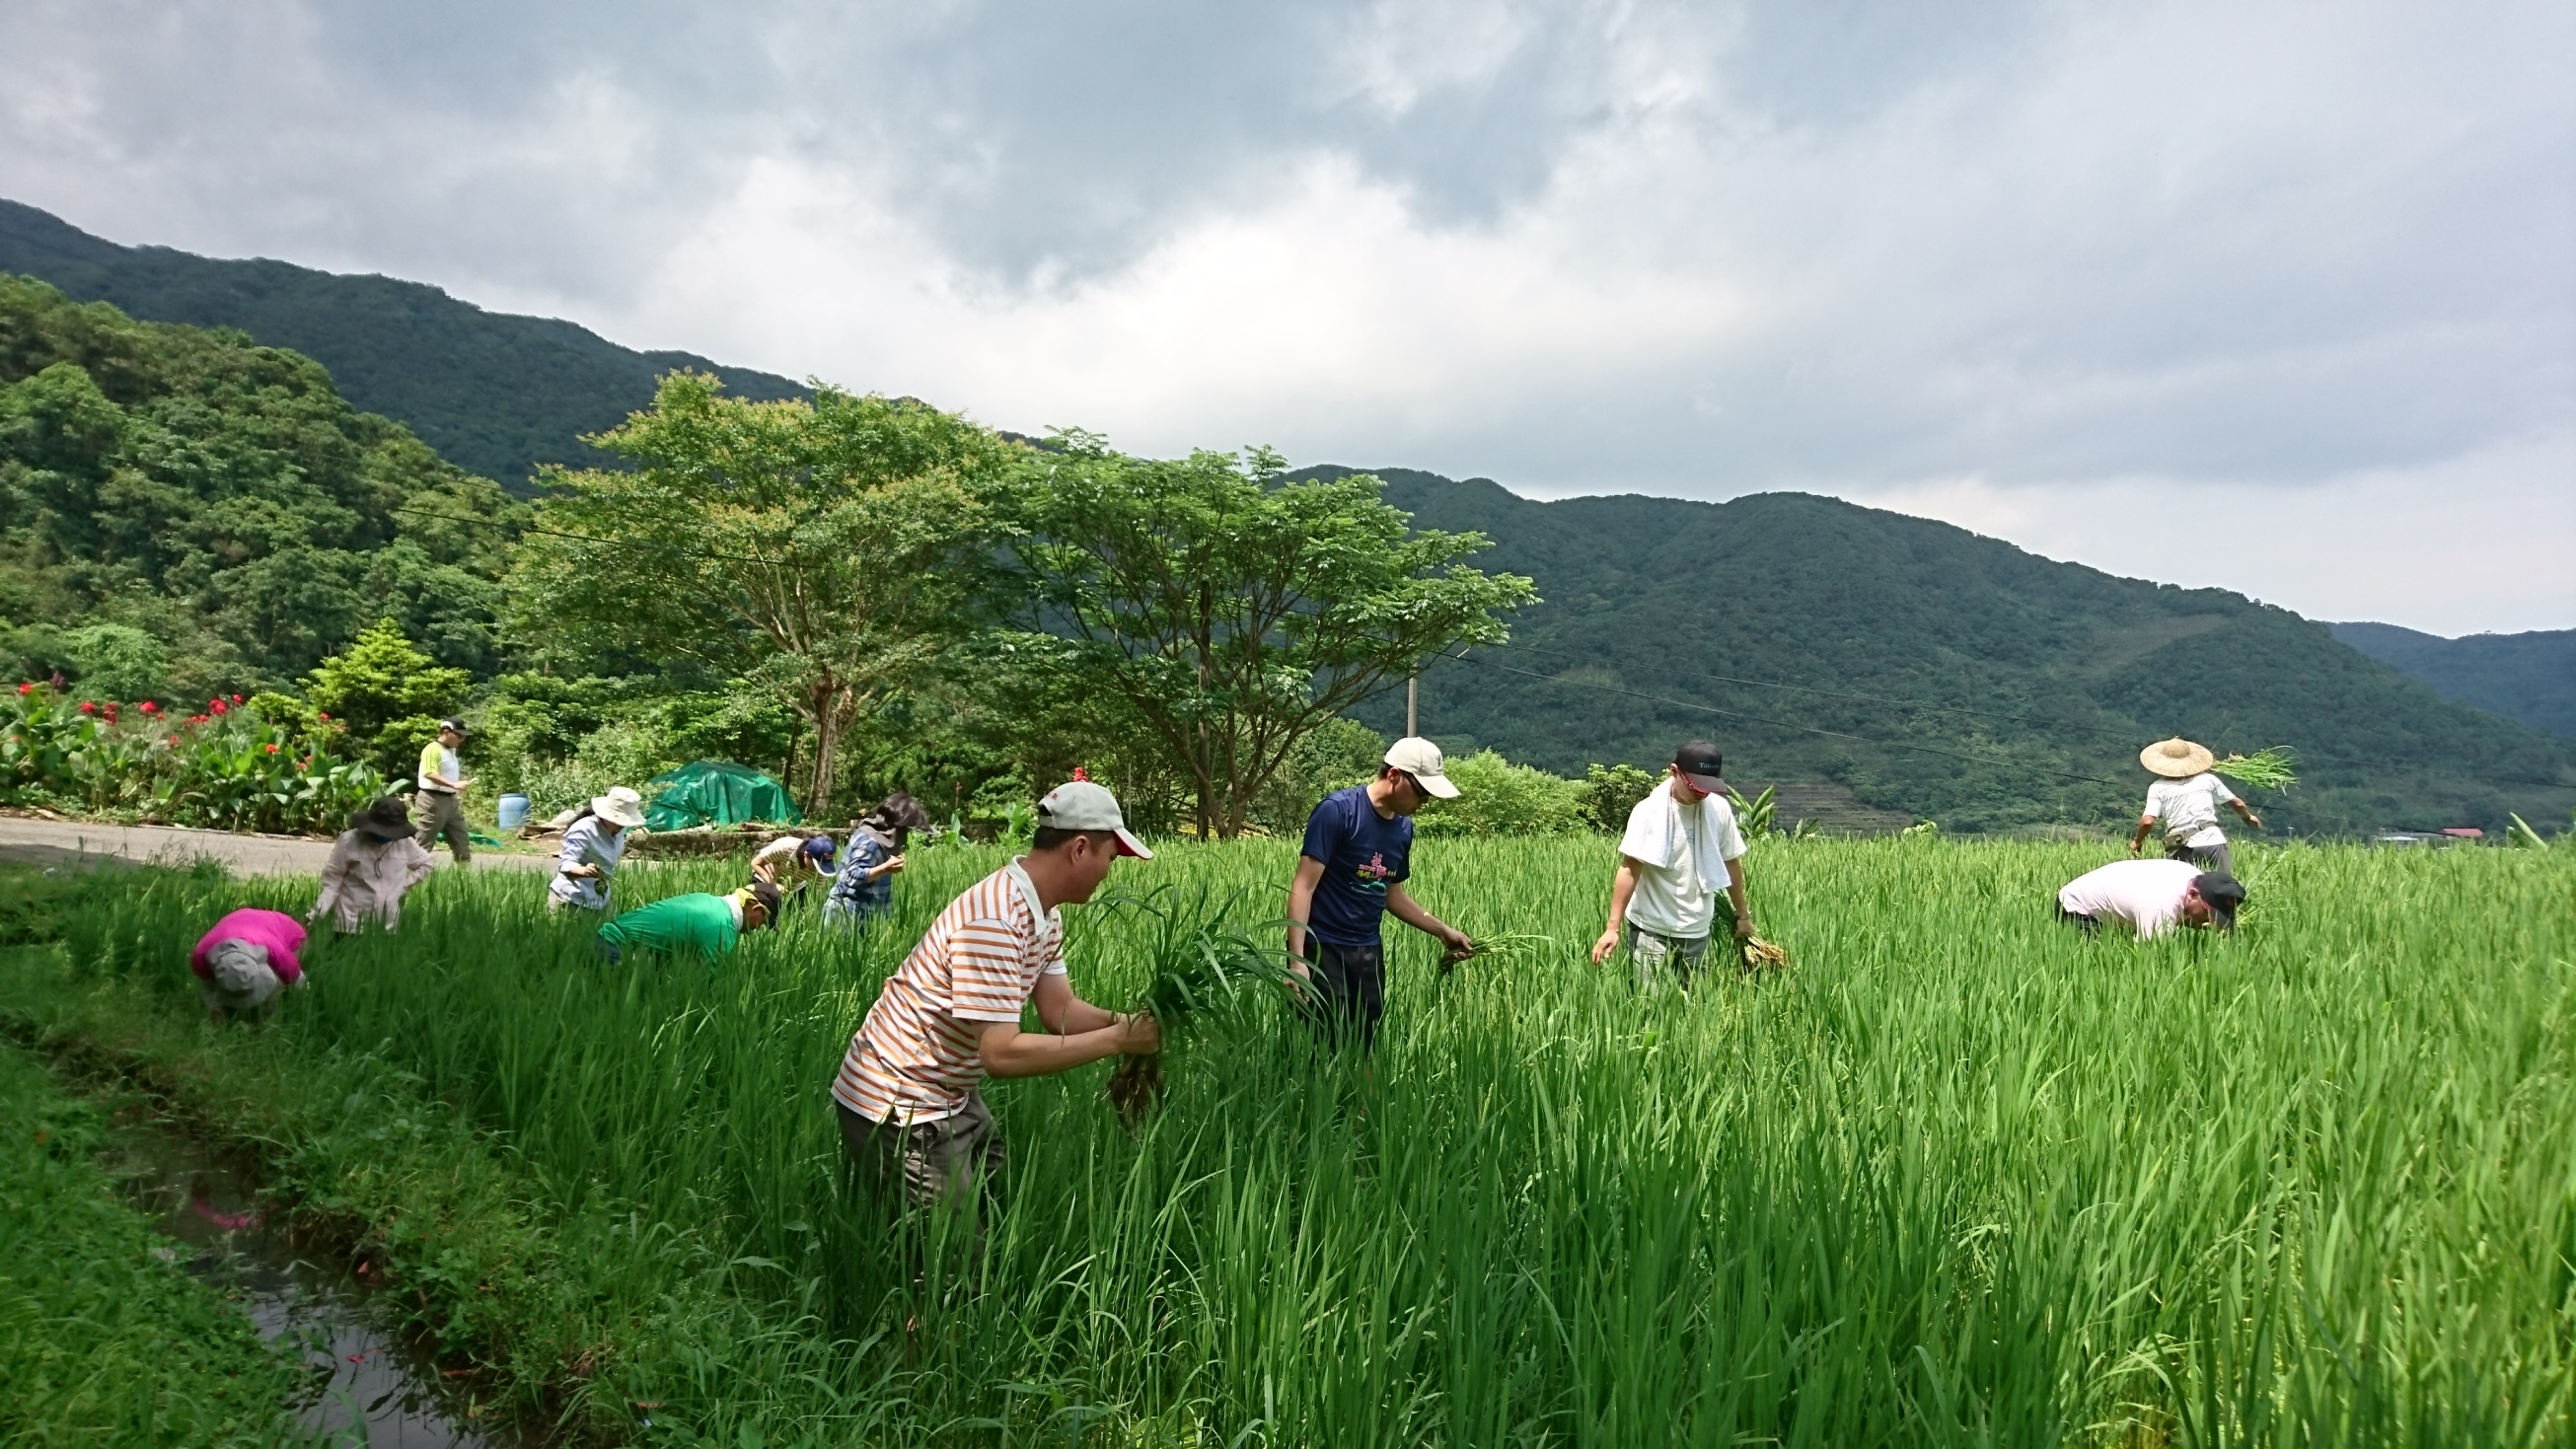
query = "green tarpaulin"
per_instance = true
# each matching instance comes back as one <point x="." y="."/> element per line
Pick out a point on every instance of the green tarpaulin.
<point x="712" y="792"/>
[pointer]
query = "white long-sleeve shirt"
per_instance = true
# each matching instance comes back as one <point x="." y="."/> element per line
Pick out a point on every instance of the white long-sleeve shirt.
<point x="365" y="878"/>
<point x="585" y="843"/>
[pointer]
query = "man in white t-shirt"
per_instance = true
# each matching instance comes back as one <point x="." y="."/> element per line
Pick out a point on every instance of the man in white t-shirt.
<point x="2186" y="802"/>
<point x="1680" y="849"/>
<point x="2150" y="897"/>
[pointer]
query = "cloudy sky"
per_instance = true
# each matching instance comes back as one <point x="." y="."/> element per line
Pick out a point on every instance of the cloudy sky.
<point x="2276" y="297"/>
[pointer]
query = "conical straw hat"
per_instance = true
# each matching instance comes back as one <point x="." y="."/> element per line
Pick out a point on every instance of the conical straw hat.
<point x="2176" y="758"/>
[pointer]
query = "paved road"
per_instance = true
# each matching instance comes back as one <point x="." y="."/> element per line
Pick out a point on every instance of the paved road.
<point x="28" y="841"/>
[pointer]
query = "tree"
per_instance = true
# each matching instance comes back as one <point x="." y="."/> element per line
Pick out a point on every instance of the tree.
<point x="822" y="550"/>
<point x="387" y="693"/>
<point x="1234" y="612"/>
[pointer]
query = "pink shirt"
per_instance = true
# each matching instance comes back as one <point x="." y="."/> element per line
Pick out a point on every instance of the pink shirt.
<point x="282" y="934"/>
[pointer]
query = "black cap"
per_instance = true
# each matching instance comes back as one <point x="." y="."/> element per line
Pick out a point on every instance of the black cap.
<point x="2224" y="895"/>
<point x="452" y="723"/>
<point x="1701" y="762"/>
<point x="769" y="898"/>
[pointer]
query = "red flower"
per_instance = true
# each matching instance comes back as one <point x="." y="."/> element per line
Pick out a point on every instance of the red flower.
<point x="321" y="714"/>
<point x="88" y="708"/>
<point x="23" y="688"/>
<point x="236" y="699"/>
<point x="174" y="739"/>
<point x="272" y="749"/>
<point x="148" y="707"/>
<point x="216" y="705"/>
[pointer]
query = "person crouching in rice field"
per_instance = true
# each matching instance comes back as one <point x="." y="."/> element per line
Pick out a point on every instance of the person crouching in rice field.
<point x="592" y="846"/>
<point x="778" y="858"/>
<point x="246" y="960"/>
<point x="1681" y="849"/>
<point x="2186" y="802"/>
<point x="2150" y="897"/>
<point x="1350" y="874"/>
<point x="699" y="923"/>
<point x="373" y="864"/>
<point x="908" y="1095"/>
<point x="863" y="887"/>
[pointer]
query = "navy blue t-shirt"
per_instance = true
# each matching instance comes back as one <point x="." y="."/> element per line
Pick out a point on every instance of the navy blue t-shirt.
<point x="1363" y="853"/>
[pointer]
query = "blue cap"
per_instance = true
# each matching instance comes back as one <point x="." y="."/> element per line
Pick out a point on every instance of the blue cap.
<point x="821" y="847"/>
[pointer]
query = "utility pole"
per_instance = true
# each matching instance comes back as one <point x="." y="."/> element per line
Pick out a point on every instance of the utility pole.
<point x="1412" y="704"/>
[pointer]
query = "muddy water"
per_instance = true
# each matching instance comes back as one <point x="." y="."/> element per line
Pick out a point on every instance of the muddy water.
<point x="377" y="1387"/>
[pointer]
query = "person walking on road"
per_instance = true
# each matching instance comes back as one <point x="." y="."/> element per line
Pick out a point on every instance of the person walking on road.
<point x="1350" y="874"/>
<point x="592" y="846"/>
<point x="908" y="1095"/>
<point x="246" y="960"/>
<point x="2150" y="897"/>
<point x="372" y="865"/>
<point x="699" y="923"/>
<point x="442" y="791"/>
<point x="1681" y="849"/>
<point x="863" y="888"/>
<point x="2186" y="802"/>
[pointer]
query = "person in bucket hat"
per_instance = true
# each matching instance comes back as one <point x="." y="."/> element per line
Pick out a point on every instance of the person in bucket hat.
<point x="909" y="1093"/>
<point x="592" y="846"/>
<point x="1350" y="872"/>
<point x="2185" y="802"/>
<point x="373" y="864"/>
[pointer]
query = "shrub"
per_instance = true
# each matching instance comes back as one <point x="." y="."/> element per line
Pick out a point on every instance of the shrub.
<point x="227" y="768"/>
<point x="1497" y="797"/>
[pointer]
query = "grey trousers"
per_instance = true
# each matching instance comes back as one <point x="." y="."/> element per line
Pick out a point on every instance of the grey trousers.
<point x="2207" y="857"/>
<point x="441" y="812"/>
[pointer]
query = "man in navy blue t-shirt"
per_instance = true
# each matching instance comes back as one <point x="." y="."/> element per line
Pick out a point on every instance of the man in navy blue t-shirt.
<point x="1358" y="852"/>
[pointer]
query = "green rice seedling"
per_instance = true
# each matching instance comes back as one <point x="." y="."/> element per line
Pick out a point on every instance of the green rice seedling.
<point x="2264" y="769"/>
<point x="1200" y="963"/>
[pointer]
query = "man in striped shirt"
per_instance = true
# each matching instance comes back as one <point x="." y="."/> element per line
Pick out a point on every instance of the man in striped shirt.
<point x="907" y="1093"/>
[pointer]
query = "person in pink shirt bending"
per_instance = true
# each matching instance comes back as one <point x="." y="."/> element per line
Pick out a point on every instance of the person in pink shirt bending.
<point x="246" y="960"/>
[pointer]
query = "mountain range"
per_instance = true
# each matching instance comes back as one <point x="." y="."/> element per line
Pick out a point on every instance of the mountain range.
<point x="496" y="394"/>
<point x="1877" y="667"/>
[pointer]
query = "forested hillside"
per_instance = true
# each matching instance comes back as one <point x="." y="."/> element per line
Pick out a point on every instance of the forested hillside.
<point x="2050" y="675"/>
<point x="2530" y="677"/>
<point x="185" y="513"/>
<point x="495" y="394"/>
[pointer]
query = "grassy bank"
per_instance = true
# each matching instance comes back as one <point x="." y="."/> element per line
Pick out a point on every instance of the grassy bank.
<point x="104" y="1339"/>
<point x="1958" y="1177"/>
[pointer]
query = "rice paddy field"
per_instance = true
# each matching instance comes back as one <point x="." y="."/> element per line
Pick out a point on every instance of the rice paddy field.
<point x="1956" y="1177"/>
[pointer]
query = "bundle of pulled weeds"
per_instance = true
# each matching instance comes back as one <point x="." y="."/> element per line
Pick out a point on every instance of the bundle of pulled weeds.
<point x="1203" y="963"/>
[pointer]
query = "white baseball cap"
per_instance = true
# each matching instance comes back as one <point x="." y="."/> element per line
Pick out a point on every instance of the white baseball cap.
<point x="1420" y="758"/>
<point x="1082" y="805"/>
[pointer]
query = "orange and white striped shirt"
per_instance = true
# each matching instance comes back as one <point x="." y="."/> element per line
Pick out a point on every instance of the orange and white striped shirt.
<point x="914" y="1057"/>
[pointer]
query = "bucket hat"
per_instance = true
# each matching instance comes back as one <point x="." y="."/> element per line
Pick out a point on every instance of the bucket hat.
<point x="624" y="814"/>
<point x="385" y="818"/>
<point x="2176" y="758"/>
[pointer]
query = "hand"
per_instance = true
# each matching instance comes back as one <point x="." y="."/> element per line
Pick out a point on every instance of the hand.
<point x="2133" y="846"/>
<point x="1460" y="948"/>
<point x="2254" y="820"/>
<point x="1743" y="927"/>
<point x="1139" y="1035"/>
<point x="1608" y="943"/>
<point x="892" y="864"/>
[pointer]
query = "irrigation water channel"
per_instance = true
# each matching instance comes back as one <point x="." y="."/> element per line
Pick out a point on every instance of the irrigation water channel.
<point x="376" y="1387"/>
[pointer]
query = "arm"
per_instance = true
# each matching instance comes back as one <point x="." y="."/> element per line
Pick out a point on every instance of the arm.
<point x="1735" y="894"/>
<point x="885" y="867"/>
<point x="335" y="873"/>
<point x="1010" y="1052"/>
<point x="2146" y="823"/>
<point x="1623" y="884"/>
<point x="1405" y="910"/>
<point x="2241" y="808"/>
<point x="417" y="863"/>
<point x="1064" y="1013"/>
<point x="576" y="844"/>
<point x="1301" y="904"/>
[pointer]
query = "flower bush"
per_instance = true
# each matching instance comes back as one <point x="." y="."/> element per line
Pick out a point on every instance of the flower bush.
<point x="225" y="768"/>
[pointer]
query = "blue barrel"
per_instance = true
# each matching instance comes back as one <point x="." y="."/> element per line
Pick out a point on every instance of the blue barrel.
<point x="514" y="811"/>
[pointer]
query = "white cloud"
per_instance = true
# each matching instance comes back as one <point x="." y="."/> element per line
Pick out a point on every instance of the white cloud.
<point x="2303" y="264"/>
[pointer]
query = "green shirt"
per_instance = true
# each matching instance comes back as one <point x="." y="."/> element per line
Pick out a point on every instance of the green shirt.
<point x="695" y="922"/>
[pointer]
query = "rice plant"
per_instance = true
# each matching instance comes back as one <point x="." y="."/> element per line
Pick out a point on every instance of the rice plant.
<point x="1961" y="1177"/>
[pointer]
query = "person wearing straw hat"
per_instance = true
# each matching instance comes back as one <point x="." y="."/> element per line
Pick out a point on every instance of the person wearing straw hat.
<point x="1350" y="873"/>
<point x="908" y="1096"/>
<point x="592" y="846"/>
<point x="372" y="865"/>
<point x="2185" y="801"/>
